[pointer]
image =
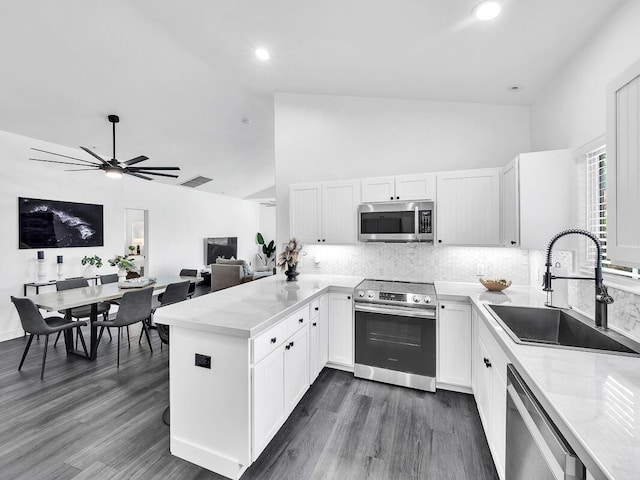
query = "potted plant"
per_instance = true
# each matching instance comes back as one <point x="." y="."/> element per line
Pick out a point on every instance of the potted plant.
<point x="267" y="250"/>
<point x="91" y="263"/>
<point x="132" y="249"/>
<point x="124" y="265"/>
<point x="288" y="260"/>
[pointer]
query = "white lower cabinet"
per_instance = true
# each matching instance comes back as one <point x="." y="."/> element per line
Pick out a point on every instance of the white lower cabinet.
<point x="318" y="336"/>
<point x="268" y="399"/>
<point x="454" y="345"/>
<point x="489" y="366"/>
<point x="279" y="381"/>
<point x="341" y="329"/>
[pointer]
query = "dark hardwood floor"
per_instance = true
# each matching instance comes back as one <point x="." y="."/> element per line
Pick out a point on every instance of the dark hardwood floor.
<point x="91" y="421"/>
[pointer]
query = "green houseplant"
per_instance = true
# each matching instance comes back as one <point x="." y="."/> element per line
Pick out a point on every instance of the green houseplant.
<point x="91" y="263"/>
<point x="124" y="265"/>
<point x="266" y="253"/>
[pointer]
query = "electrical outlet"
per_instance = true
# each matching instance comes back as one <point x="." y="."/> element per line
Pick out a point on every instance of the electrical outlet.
<point x="480" y="268"/>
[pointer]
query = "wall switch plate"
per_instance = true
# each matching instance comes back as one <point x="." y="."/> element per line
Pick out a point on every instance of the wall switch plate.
<point x="203" y="361"/>
<point x="480" y="268"/>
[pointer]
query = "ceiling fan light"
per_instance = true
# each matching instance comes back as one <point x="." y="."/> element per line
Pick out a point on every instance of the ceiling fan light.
<point x="113" y="172"/>
<point x="487" y="10"/>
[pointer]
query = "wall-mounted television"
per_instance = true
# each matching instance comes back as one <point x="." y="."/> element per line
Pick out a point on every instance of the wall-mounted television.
<point x="220" y="247"/>
<point x="56" y="224"/>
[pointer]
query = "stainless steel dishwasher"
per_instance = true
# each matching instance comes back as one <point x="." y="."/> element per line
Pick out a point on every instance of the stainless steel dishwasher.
<point x="535" y="447"/>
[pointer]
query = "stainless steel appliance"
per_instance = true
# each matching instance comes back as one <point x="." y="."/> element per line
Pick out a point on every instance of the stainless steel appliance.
<point x="395" y="334"/>
<point x="535" y="447"/>
<point x="396" y="222"/>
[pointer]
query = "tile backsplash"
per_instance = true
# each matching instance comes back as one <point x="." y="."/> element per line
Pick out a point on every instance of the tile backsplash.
<point x="417" y="262"/>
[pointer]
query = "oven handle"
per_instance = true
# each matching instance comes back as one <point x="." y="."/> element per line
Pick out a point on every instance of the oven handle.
<point x="405" y="312"/>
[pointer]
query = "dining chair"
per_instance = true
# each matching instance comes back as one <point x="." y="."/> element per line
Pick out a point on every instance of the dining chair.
<point x="34" y="323"/>
<point x="190" y="272"/>
<point x="85" y="310"/>
<point x="186" y="272"/>
<point x="135" y="306"/>
<point x="174" y="293"/>
<point x="109" y="278"/>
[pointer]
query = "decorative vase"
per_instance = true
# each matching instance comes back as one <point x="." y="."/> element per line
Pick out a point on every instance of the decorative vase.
<point x="122" y="275"/>
<point x="89" y="271"/>
<point x="292" y="273"/>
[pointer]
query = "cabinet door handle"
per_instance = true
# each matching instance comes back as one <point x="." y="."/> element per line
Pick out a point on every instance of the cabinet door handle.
<point x="291" y="344"/>
<point x="316" y="309"/>
<point x="397" y="198"/>
<point x="314" y="324"/>
<point x="487" y="363"/>
<point x="348" y="297"/>
<point x="441" y="306"/>
<point x="439" y="241"/>
<point x="318" y="239"/>
<point x="300" y="320"/>
<point x="390" y="198"/>
<point x="513" y="242"/>
<point x="287" y="347"/>
<point x="274" y="340"/>
<point x="323" y="240"/>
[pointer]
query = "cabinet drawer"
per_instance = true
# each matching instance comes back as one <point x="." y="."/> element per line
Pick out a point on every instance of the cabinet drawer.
<point x="268" y="341"/>
<point x="315" y="308"/>
<point x="297" y="320"/>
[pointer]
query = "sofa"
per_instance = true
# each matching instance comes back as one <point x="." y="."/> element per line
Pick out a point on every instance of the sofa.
<point x="228" y="273"/>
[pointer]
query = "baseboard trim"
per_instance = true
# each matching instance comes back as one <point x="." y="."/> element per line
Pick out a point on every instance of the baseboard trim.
<point x="338" y="366"/>
<point x="11" y="334"/>
<point x="453" y="388"/>
<point x="213" y="461"/>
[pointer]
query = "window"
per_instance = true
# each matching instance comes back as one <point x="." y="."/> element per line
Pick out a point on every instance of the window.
<point x="596" y="212"/>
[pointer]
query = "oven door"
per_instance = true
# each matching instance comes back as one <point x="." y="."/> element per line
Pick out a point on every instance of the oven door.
<point x="396" y="338"/>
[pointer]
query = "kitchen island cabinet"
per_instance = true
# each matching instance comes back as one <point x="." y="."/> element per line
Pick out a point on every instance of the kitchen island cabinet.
<point x="239" y="363"/>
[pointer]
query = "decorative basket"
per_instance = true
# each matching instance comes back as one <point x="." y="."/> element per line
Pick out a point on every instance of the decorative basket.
<point x="495" y="285"/>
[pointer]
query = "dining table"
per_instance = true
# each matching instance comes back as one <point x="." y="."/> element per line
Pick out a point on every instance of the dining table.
<point x="65" y="300"/>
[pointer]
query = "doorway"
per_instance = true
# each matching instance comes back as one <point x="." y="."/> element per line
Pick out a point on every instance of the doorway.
<point x="136" y="237"/>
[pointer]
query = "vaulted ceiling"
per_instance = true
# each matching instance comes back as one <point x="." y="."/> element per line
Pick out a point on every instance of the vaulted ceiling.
<point x="182" y="76"/>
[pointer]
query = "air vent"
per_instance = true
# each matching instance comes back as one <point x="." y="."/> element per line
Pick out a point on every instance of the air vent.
<point x="196" y="182"/>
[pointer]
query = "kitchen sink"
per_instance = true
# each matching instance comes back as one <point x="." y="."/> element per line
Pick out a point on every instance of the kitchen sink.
<point x="560" y="328"/>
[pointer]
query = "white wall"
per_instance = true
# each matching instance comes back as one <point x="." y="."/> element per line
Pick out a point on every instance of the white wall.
<point x="179" y="219"/>
<point x="570" y="111"/>
<point x="324" y="137"/>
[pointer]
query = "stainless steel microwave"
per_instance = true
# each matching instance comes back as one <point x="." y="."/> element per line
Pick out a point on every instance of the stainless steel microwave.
<point x="396" y="222"/>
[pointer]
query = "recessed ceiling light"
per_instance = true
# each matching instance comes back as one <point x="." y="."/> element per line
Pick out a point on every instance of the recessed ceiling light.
<point x="263" y="54"/>
<point x="515" y="88"/>
<point x="487" y="10"/>
<point x="246" y="121"/>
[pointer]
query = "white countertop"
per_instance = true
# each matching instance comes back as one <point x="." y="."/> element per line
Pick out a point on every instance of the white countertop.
<point x="594" y="398"/>
<point x="250" y="308"/>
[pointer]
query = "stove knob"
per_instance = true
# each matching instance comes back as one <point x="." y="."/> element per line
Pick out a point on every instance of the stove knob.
<point x="416" y="299"/>
<point x="370" y="294"/>
<point x="427" y="299"/>
<point x="361" y="293"/>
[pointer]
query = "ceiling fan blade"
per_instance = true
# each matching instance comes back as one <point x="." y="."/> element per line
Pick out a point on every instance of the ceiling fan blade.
<point x="81" y="169"/>
<point x="135" y="169"/>
<point x="58" y="161"/>
<point x="154" y="173"/>
<point x="64" y="156"/>
<point x="139" y="159"/>
<point x="104" y="162"/>
<point x="138" y="175"/>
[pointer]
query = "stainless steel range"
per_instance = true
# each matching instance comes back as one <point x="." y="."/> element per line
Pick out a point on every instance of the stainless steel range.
<point x="395" y="334"/>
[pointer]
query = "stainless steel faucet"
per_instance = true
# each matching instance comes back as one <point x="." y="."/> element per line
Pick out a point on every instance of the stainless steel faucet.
<point x="602" y="296"/>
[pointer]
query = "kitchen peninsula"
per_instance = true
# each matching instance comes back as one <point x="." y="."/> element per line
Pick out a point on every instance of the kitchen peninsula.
<point x="242" y="358"/>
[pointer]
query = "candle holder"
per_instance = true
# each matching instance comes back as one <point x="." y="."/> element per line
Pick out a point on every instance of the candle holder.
<point x="60" y="268"/>
<point x="42" y="270"/>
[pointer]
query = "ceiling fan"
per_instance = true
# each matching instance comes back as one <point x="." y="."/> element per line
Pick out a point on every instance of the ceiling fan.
<point x="113" y="168"/>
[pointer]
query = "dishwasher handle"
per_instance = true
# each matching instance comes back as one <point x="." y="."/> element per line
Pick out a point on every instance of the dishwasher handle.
<point x="558" y="455"/>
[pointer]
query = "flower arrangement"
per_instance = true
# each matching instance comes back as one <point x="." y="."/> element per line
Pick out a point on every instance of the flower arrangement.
<point x="94" y="261"/>
<point x="289" y="258"/>
<point x="122" y="262"/>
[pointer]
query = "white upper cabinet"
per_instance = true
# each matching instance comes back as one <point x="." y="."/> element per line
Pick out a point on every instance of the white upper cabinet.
<point x="623" y="165"/>
<point x="468" y="207"/>
<point x="403" y="187"/>
<point x="379" y="189"/>
<point x="340" y="202"/>
<point x="536" y="198"/>
<point x="325" y="212"/>
<point x="306" y="212"/>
